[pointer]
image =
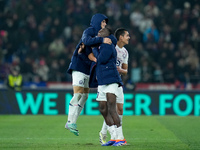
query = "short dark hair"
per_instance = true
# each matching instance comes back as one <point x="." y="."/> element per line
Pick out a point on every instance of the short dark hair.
<point x="109" y="30"/>
<point x="119" y="31"/>
<point x="105" y="32"/>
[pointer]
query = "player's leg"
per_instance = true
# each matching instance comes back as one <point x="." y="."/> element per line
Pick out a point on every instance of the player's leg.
<point x="104" y="111"/>
<point x="120" y="113"/>
<point x="81" y="90"/>
<point x="120" y="102"/>
<point x="103" y="133"/>
<point x="71" y="125"/>
<point x="120" y="137"/>
<point x="101" y="97"/>
<point x="112" y="113"/>
<point x="111" y="103"/>
<point x="109" y="121"/>
<point x="81" y="104"/>
<point x="74" y="103"/>
<point x="78" y="79"/>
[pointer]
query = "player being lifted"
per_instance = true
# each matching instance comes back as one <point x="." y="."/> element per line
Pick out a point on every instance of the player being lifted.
<point x="80" y="69"/>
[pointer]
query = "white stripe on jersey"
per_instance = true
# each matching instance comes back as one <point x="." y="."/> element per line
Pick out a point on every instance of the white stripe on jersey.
<point x="122" y="56"/>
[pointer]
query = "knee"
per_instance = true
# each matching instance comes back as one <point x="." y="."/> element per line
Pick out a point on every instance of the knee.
<point x="75" y="98"/>
<point x="120" y="108"/>
<point x="111" y="103"/>
<point x="83" y="99"/>
<point x="120" y="111"/>
<point x="112" y="111"/>
<point x="102" y="108"/>
<point x="103" y="111"/>
<point x="111" y="106"/>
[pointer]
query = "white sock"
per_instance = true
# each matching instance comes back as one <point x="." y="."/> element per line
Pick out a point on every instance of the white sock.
<point x="112" y="131"/>
<point x="80" y="106"/>
<point x="104" y="128"/>
<point x="119" y="133"/>
<point x="73" y="107"/>
<point x="120" y="117"/>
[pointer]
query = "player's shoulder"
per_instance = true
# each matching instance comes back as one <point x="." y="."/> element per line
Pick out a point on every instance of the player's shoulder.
<point x="122" y="49"/>
<point x="125" y="51"/>
<point x="89" y="30"/>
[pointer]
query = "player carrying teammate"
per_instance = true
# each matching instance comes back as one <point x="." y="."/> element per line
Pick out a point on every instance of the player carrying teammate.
<point x="123" y="37"/>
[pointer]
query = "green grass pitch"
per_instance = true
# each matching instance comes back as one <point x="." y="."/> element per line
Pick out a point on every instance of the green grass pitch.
<point x="41" y="132"/>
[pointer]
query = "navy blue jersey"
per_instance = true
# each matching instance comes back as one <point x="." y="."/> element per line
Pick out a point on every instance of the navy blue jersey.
<point x="106" y="70"/>
<point x="80" y="62"/>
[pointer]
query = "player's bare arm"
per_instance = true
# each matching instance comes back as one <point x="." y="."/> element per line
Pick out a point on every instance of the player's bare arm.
<point x="123" y="70"/>
<point x="81" y="48"/>
<point x="92" y="58"/>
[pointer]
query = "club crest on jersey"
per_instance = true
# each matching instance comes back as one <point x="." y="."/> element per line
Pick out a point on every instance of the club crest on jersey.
<point x="118" y="63"/>
<point x="81" y="82"/>
<point x="124" y="55"/>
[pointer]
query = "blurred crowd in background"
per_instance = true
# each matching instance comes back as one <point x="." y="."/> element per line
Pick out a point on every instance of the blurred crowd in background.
<point x="40" y="36"/>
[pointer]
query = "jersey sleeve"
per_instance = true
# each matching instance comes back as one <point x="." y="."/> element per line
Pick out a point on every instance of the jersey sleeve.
<point x="90" y="39"/>
<point x="95" y="52"/>
<point x="88" y="50"/>
<point x="125" y="61"/>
